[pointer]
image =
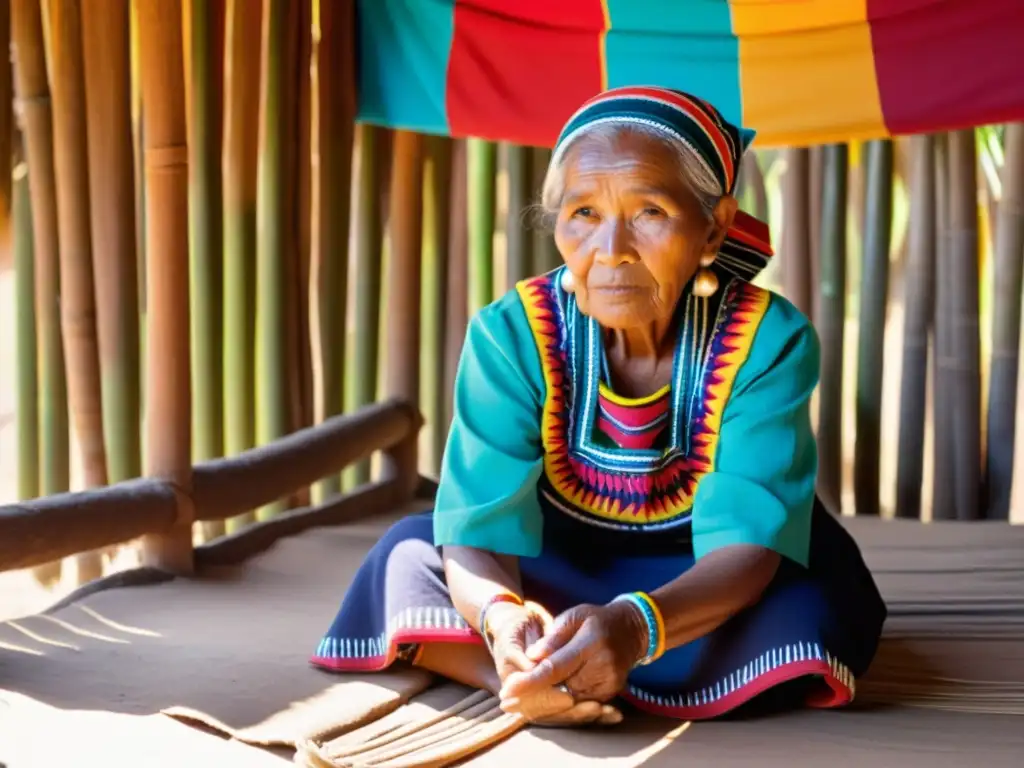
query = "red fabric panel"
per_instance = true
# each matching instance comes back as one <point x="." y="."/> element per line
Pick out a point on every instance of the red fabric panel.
<point x="521" y="80"/>
<point x="946" y="65"/>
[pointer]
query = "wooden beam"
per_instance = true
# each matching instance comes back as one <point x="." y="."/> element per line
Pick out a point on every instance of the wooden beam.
<point x="224" y="487"/>
<point x="51" y="527"/>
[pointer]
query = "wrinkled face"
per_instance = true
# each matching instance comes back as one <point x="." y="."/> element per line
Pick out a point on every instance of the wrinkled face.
<point x="630" y="230"/>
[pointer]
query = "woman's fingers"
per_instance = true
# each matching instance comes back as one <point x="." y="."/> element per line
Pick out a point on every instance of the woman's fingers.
<point x="548" y="672"/>
<point x="557" y="632"/>
<point x="583" y="713"/>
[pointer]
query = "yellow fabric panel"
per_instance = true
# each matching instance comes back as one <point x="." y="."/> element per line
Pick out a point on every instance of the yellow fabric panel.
<point x="825" y="77"/>
<point x="769" y="17"/>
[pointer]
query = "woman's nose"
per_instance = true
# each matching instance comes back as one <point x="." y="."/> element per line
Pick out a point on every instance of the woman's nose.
<point x="615" y="244"/>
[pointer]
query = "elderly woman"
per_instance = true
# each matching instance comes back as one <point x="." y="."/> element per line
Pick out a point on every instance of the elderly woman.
<point x="631" y="453"/>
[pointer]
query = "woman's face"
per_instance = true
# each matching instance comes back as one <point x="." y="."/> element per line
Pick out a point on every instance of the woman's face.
<point x="630" y="230"/>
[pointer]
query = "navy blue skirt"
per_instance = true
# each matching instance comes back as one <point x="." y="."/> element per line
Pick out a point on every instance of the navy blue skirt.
<point x="819" y="625"/>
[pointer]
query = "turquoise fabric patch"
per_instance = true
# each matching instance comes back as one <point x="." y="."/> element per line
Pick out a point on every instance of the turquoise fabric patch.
<point x="694" y="50"/>
<point x="403" y="63"/>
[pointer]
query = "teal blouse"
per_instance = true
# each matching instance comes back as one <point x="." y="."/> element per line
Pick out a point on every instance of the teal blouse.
<point x="759" y="489"/>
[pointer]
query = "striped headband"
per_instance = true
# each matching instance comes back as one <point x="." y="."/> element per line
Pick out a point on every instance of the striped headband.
<point x="692" y="122"/>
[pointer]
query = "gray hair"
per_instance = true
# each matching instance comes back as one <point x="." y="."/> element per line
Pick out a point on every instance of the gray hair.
<point x="704" y="185"/>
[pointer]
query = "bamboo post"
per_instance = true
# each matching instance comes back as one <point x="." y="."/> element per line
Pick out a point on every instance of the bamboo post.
<point x="965" y="360"/>
<point x="482" y="159"/>
<point x="6" y="128"/>
<point x="241" y="118"/>
<point x="33" y="105"/>
<point x="874" y="292"/>
<point x="943" y="486"/>
<point x="299" y="220"/>
<point x="545" y="254"/>
<point x="796" y="229"/>
<point x="436" y="218"/>
<point x="1008" y="272"/>
<point x="457" y="311"/>
<point x="137" y="170"/>
<point x="832" y="323"/>
<point x="271" y="318"/>
<point x="371" y="147"/>
<point x="816" y="182"/>
<point x="105" y="43"/>
<point x="918" y="301"/>
<point x="168" y="402"/>
<point x="25" y="340"/>
<point x="204" y="30"/>
<point x="405" y="267"/>
<point x="754" y="179"/>
<point x="335" y="103"/>
<point x="519" y="237"/>
<point x="78" y="284"/>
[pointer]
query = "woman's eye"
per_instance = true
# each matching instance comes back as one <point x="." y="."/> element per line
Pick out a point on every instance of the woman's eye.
<point x="653" y="211"/>
<point x="583" y="212"/>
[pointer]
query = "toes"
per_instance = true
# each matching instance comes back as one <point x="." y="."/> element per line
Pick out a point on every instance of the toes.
<point x="609" y="715"/>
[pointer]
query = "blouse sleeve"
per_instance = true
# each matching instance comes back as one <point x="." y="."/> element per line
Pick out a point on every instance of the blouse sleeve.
<point x="487" y="491"/>
<point x="761" y="490"/>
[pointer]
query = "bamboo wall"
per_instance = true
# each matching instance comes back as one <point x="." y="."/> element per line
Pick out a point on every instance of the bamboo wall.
<point x="210" y="256"/>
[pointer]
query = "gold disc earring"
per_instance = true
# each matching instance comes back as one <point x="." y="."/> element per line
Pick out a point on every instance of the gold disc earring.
<point x="705" y="282"/>
<point x="568" y="285"/>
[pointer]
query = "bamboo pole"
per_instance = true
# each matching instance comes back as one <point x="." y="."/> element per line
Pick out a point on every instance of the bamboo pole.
<point x="335" y="93"/>
<point x="78" y="286"/>
<point x="816" y="182"/>
<point x="545" y="254"/>
<point x="168" y="402"/>
<point x="832" y="323"/>
<point x="874" y="292"/>
<point x="965" y="360"/>
<point x="918" y="301"/>
<point x="1006" y="316"/>
<point x="271" y="303"/>
<point x="796" y="229"/>
<point x="105" y="43"/>
<point x="6" y="131"/>
<point x="405" y="267"/>
<point x="32" y="89"/>
<point x="204" y="30"/>
<point x="943" y="486"/>
<point x="25" y="340"/>
<point x="436" y="219"/>
<point x="241" y="116"/>
<point x="482" y="159"/>
<point x="137" y="170"/>
<point x="371" y="146"/>
<point x="298" y="200"/>
<point x="457" y="312"/>
<point x="519" y="237"/>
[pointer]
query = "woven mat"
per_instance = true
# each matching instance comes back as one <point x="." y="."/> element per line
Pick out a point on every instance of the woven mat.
<point x="228" y="649"/>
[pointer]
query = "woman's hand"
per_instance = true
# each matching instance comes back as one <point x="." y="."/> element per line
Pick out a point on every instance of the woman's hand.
<point x="513" y="629"/>
<point x="589" y="648"/>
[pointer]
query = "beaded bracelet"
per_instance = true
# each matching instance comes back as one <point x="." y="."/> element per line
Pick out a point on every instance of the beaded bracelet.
<point x="501" y="597"/>
<point x="645" y="604"/>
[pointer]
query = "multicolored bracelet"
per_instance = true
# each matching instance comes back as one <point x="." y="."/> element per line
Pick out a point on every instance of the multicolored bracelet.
<point x="501" y="597"/>
<point x="655" y="622"/>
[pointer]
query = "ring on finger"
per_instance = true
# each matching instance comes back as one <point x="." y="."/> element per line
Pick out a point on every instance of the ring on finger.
<point x="567" y="691"/>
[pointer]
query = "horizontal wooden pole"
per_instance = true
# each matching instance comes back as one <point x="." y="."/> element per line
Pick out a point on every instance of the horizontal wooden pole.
<point x="223" y="488"/>
<point x="366" y="501"/>
<point x="51" y="527"/>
